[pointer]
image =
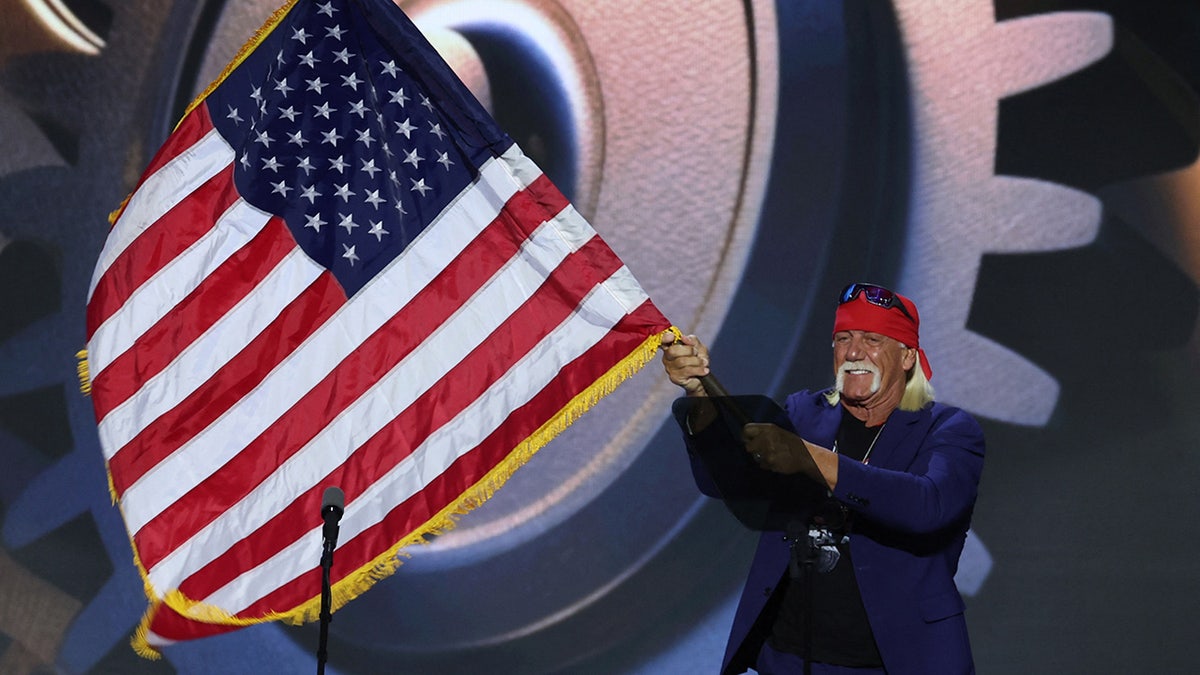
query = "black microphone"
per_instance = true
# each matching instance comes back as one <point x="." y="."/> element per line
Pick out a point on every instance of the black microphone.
<point x="332" y="506"/>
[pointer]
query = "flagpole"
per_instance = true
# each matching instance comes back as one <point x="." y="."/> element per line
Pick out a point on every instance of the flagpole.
<point x="716" y="390"/>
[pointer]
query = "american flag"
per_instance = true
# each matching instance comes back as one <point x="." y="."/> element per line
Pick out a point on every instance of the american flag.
<point x="337" y="271"/>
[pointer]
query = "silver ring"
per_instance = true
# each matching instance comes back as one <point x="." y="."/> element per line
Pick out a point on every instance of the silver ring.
<point x="758" y="456"/>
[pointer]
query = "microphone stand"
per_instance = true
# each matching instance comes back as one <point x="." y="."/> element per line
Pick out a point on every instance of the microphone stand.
<point x="332" y="506"/>
<point x="809" y="587"/>
<point x="326" y="602"/>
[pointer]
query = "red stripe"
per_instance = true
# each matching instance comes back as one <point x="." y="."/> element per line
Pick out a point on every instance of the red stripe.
<point x="228" y="285"/>
<point x="196" y="125"/>
<point x="170" y="235"/>
<point x="170" y="625"/>
<point x="626" y="336"/>
<point x="245" y="371"/>
<point x="462" y="385"/>
<point x="159" y="244"/>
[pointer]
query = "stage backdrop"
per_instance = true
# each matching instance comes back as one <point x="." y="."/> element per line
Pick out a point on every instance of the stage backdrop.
<point x="1025" y="169"/>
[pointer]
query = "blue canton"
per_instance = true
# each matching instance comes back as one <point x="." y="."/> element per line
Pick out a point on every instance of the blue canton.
<point x="337" y="131"/>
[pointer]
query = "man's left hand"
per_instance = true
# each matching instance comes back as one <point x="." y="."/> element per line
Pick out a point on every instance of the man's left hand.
<point x="776" y="449"/>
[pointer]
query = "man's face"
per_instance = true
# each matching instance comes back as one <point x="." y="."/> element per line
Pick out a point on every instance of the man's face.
<point x="870" y="367"/>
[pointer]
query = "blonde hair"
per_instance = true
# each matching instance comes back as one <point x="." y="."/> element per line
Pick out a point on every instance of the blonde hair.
<point x="918" y="392"/>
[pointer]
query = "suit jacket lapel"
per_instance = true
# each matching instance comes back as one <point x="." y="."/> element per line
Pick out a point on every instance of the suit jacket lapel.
<point x="824" y="432"/>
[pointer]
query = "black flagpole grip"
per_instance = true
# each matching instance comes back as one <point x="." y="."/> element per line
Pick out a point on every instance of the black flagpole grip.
<point x="717" y="391"/>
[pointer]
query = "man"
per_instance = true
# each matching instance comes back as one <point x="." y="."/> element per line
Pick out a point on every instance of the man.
<point x="868" y="503"/>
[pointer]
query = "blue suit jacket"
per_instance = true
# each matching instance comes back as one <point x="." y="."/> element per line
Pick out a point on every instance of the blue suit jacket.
<point x="913" y="505"/>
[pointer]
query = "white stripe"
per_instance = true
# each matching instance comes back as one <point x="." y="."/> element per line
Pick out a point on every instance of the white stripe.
<point x="624" y="290"/>
<point x="622" y="286"/>
<point x="381" y="299"/>
<point x="211" y="351"/>
<point x="521" y="169"/>
<point x="578" y="333"/>
<point x="157" y="641"/>
<point x="154" y="299"/>
<point x="161" y="192"/>
<point x="461" y="333"/>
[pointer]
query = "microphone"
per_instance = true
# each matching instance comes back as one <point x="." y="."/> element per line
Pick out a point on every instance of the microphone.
<point x="333" y="503"/>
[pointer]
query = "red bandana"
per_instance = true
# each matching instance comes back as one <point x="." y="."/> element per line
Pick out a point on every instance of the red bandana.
<point x="858" y="314"/>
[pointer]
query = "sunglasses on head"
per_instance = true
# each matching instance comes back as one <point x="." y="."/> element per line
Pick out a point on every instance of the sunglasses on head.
<point x="876" y="295"/>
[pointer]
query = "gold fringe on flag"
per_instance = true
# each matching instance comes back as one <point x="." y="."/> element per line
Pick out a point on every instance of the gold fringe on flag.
<point x="141" y="636"/>
<point x="81" y="370"/>
<point x="116" y="213"/>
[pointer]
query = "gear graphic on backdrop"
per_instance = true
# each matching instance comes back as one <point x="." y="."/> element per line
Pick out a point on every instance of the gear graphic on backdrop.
<point x="1016" y="128"/>
<point x="1018" y="122"/>
<point x="1129" y="117"/>
<point x="60" y="535"/>
<point x="962" y="63"/>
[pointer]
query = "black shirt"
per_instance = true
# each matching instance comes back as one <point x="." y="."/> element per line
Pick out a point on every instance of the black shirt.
<point x="841" y="634"/>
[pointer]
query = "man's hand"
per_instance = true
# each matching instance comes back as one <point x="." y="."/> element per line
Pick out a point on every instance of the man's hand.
<point x="781" y="451"/>
<point x="685" y="361"/>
